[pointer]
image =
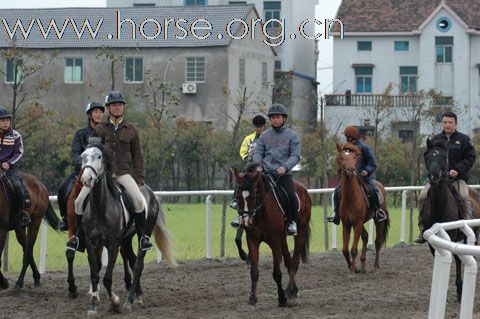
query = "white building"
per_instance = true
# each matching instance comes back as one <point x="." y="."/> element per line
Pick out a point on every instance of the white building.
<point x="415" y="45"/>
<point x="295" y="61"/>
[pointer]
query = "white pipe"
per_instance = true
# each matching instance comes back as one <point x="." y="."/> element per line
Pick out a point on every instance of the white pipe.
<point x="43" y="247"/>
<point x="159" y="256"/>
<point x="208" y="214"/>
<point x="404" y="216"/>
<point x="334" y="227"/>
<point x="104" y="257"/>
<point x="370" y="231"/>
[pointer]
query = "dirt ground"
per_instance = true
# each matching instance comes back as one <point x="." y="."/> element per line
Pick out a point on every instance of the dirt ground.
<point x="220" y="289"/>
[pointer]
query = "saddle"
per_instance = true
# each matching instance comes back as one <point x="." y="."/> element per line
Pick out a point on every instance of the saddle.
<point x="370" y="195"/>
<point x="281" y="195"/>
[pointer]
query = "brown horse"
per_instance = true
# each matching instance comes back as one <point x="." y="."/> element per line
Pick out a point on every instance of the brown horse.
<point x="266" y="223"/>
<point x="40" y="208"/>
<point x="354" y="211"/>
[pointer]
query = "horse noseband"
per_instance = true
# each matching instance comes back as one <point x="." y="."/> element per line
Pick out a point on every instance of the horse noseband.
<point x="93" y="169"/>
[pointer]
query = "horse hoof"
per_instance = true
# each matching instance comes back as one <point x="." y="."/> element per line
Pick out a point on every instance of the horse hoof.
<point x="252" y="300"/>
<point x="282" y="302"/>
<point x="243" y="255"/>
<point x="127" y="306"/>
<point x="291" y="291"/>
<point x="72" y="294"/>
<point x="139" y="300"/>
<point x="36" y="283"/>
<point x="91" y="313"/>
<point x="115" y="308"/>
<point x="4" y="284"/>
<point x="19" y="285"/>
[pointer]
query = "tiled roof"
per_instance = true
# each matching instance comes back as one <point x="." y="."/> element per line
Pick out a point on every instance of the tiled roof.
<point x="218" y="16"/>
<point x="400" y="15"/>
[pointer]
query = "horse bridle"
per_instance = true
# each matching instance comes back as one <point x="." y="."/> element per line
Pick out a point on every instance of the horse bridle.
<point x="259" y="206"/>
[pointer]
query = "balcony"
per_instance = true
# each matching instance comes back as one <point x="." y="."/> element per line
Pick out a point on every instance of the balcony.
<point x="370" y="100"/>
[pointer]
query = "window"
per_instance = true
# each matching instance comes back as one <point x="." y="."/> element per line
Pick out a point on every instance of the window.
<point x="133" y="70"/>
<point x="364" y="45"/>
<point x="363" y="79"/>
<point x="195" y="69"/>
<point x="271" y="10"/>
<point x="144" y="4"/>
<point x="241" y="71"/>
<point x="14" y="68"/>
<point x="237" y="2"/>
<point x="408" y="79"/>
<point x="405" y="135"/>
<point x="264" y="74"/>
<point x="401" y="45"/>
<point x="444" y="49"/>
<point x="195" y="2"/>
<point x="278" y="65"/>
<point x="73" y="70"/>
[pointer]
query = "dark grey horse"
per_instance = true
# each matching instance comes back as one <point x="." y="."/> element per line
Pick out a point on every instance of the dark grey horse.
<point x="105" y="225"/>
<point x="441" y="204"/>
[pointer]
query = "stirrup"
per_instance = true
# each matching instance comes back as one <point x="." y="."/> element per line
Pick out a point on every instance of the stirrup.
<point x="292" y="229"/>
<point x="24" y="218"/>
<point x="233" y="204"/>
<point x="380" y="215"/>
<point x="145" y="243"/>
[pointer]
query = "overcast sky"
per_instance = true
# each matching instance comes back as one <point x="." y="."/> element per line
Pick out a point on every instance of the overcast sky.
<point x="325" y="9"/>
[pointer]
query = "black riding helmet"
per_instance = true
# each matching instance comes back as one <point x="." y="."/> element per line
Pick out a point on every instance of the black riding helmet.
<point x="277" y="109"/>
<point x="259" y="120"/>
<point x="4" y="113"/>
<point x="113" y="97"/>
<point x="94" y="105"/>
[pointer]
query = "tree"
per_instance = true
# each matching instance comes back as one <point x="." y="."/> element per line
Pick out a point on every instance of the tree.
<point x="26" y="77"/>
<point x="110" y="63"/>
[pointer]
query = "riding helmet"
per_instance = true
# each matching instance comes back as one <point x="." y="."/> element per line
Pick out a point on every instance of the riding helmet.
<point x="259" y="120"/>
<point x="277" y="109"/>
<point x="113" y="97"/>
<point x="4" y="113"/>
<point x="94" y="105"/>
<point x="352" y="131"/>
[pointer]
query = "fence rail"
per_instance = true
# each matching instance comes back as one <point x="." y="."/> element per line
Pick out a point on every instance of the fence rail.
<point x="208" y="211"/>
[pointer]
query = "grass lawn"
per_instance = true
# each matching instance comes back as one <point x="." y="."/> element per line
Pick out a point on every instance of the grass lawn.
<point x="187" y="225"/>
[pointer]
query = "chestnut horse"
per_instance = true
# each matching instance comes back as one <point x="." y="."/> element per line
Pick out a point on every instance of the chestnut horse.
<point x="354" y="211"/>
<point x="266" y="223"/>
<point x="40" y="208"/>
<point x="441" y="204"/>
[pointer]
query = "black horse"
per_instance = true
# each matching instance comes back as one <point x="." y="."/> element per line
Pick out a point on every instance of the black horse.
<point x="106" y="225"/>
<point x="442" y="204"/>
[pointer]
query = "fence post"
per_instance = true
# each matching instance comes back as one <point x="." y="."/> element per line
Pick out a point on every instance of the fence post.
<point x="208" y="213"/>
<point x="334" y="227"/>
<point x="404" y="215"/>
<point x="43" y="247"/>
<point x="104" y="257"/>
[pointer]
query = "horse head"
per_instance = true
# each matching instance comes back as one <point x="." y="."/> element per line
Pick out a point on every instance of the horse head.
<point x="249" y="185"/>
<point x="93" y="162"/>
<point x="436" y="160"/>
<point x="347" y="159"/>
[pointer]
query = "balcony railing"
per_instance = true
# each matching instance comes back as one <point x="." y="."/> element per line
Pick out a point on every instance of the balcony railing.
<point x="370" y="100"/>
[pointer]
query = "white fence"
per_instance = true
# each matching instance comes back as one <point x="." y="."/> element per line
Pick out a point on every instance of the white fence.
<point x="208" y="211"/>
<point x="444" y="248"/>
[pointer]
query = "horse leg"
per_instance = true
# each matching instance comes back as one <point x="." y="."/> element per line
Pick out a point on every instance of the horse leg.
<point x="379" y="235"/>
<point x="354" y="250"/>
<point x="94" y="260"/>
<point x="346" y="242"/>
<point x="297" y="250"/>
<point x="253" y="247"/>
<point x="277" y="272"/>
<point x="136" y="290"/>
<point x="124" y="252"/>
<point x="107" y="280"/>
<point x="238" y="242"/>
<point x="458" y="279"/>
<point x="72" y="288"/>
<point x="3" y="238"/>
<point x="287" y="258"/>
<point x="363" y="257"/>
<point x="22" y="240"/>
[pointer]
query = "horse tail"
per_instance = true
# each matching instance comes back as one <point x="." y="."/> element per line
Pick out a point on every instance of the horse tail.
<point x="164" y="239"/>
<point x="306" y="245"/>
<point x="384" y="229"/>
<point x="51" y="218"/>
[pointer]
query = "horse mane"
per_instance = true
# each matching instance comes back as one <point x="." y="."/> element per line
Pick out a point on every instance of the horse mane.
<point x="251" y="168"/>
<point x="108" y="154"/>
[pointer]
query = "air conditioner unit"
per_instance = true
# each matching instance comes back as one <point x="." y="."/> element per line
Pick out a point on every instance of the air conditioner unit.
<point x="189" y="88"/>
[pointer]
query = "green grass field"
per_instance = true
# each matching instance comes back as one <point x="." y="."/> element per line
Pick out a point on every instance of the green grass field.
<point x="187" y="225"/>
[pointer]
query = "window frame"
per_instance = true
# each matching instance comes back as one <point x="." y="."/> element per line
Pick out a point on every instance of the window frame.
<point x="242" y="71"/>
<point x="82" y="74"/>
<point x="19" y="74"/>
<point x="274" y="13"/>
<point x="364" y="77"/>
<point x="196" y="3"/>
<point x="410" y="76"/>
<point x="364" y="43"/>
<point x="264" y="74"/>
<point x="398" y="48"/>
<point x="134" y="58"/>
<point x="445" y="45"/>
<point x="187" y="80"/>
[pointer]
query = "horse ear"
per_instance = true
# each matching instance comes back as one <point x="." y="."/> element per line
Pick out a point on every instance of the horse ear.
<point x="339" y="148"/>
<point x="429" y="144"/>
<point x="234" y="172"/>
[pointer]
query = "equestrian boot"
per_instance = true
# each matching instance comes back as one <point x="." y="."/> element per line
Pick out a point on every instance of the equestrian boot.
<point x="380" y="214"/>
<point x="144" y="240"/>
<point x="77" y="242"/>
<point x="234" y="204"/>
<point x="292" y="228"/>
<point x="335" y="218"/>
<point x="241" y="220"/>
<point x="24" y="217"/>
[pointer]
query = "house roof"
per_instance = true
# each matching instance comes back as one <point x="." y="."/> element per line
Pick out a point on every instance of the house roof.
<point x="71" y="21"/>
<point x="400" y="15"/>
